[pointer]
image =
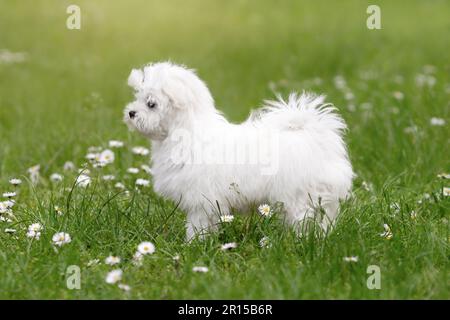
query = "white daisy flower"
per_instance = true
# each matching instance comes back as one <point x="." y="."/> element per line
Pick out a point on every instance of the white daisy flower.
<point x="146" y="169"/>
<point x="351" y="259"/>
<point x="200" y="269"/>
<point x="228" y="246"/>
<point x="398" y="95"/>
<point x="226" y="218"/>
<point x="15" y="182"/>
<point x="446" y="191"/>
<point x="93" y="262"/>
<point x="444" y="175"/>
<point x="4" y="207"/>
<point x="115" y="144"/>
<point x="35" y="227"/>
<point x="69" y="166"/>
<point x="265" y="242"/>
<point x="56" y="177"/>
<point x="8" y="57"/>
<point x="92" y="156"/>
<point x="124" y="287"/>
<point x="434" y="121"/>
<point x="8" y="230"/>
<point x="61" y="238"/>
<point x="108" y="177"/>
<point x="106" y="157"/>
<point x="146" y="248"/>
<point x="119" y="185"/>
<point x="34" y="173"/>
<point x="9" y="194"/>
<point x="114" y="276"/>
<point x="133" y="170"/>
<point x="142" y="182"/>
<point x="5" y="219"/>
<point x="265" y="210"/>
<point x="387" y="232"/>
<point x="413" y="215"/>
<point x="137" y="258"/>
<point x="395" y="206"/>
<point x="140" y="151"/>
<point x="34" y="234"/>
<point x="176" y="257"/>
<point x="112" y="260"/>
<point x="423" y="80"/>
<point x="83" y="180"/>
<point x="58" y="210"/>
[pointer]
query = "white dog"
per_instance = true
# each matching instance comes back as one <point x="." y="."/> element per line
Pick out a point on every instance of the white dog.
<point x="290" y="152"/>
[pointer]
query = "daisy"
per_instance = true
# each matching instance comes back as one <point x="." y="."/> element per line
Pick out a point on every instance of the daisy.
<point x="398" y="95"/>
<point x="146" y="169"/>
<point x="4" y="219"/>
<point x="92" y="156"/>
<point x="423" y="80"/>
<point x="9" y="194"/>
<point x="34" y="234"/>
<point x="200" y="269"/>
<point x="58" y="210"/>
<point x="114" y="276"/>
<point x="83" y="180"/>
<point x="142" y="182"/>
<point x="146" y="248"/>
<point x="34" y="173"/>
<point x="226" y="218"/>
<point x="437" y="122"/>
<point x="124" y="287"/>
<point x="68" y="166"/>
<point x="15" y="182"/>
<point x="115" y="144"/>
<point x="351" y="259"/>
<point x="387" y="232"/>
<point x="228" y="246"/>
<point x="133" y="170"/>
<point x="413" y="215"/>
<point x="7" y="230"/>
<point x="61" y="238"/>
<point x="93" y="262"/>
<point x="106" y="157"/>
<point x="119" y="185"/>
<point x="395" y="206"/>
<point x="108" y="177"/>
<point x="56" y="177"/>
<point x="446" y="191"/>
<point x="176" y="257"/>
<point x="137" y="258"/>
<point x="264" y="210"/>
<point x="265" y="242"/>
<point x="112" y="260"/>
<point x="140" y="151"/>
<point x="444" y="175"/>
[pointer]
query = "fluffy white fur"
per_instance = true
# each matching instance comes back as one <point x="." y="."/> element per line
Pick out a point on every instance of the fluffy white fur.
<point x="309" y="165"/>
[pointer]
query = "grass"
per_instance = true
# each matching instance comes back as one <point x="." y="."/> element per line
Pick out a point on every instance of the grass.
<point x="69" y="94"/>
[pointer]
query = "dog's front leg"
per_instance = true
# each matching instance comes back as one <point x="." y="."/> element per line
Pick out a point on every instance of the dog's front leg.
<point x="199" y="223"/>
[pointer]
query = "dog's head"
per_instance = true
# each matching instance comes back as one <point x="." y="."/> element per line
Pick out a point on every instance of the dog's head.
<point x="167" y="96"/>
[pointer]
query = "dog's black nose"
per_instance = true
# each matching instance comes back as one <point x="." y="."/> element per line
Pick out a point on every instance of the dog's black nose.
<point x="132" y="114"/>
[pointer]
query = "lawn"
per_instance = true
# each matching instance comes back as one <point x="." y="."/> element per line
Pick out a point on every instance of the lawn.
<point x="62" y="92"/>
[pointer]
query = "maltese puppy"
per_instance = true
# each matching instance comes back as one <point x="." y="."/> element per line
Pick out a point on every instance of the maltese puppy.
<point x="288" y="152"/>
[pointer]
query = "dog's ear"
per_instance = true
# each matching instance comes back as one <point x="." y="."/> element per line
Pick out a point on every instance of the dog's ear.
<point x="135" y="78"/>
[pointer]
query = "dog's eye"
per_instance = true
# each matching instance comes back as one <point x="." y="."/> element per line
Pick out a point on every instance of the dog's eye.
<point x="151" y="104"/>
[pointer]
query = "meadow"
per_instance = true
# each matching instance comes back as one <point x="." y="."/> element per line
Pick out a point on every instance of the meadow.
<point x="62" y="93"/>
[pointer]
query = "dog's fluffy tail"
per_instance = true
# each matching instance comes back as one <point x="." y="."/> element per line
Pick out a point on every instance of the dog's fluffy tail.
<point x="299" y="112"/>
